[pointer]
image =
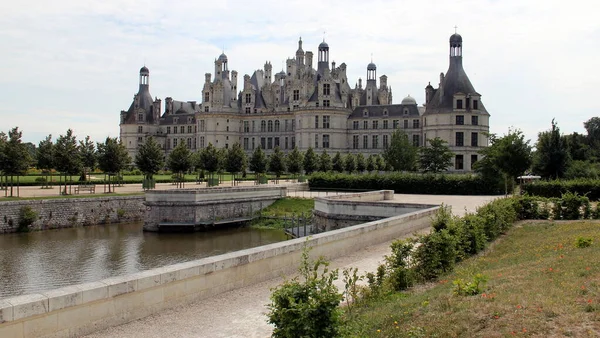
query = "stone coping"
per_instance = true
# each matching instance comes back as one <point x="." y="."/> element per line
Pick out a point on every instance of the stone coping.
<point x="378" y="195"/>
<point x="22" y="307"/>
<point x="71" y="200"/>
<point x="211" y="190"/>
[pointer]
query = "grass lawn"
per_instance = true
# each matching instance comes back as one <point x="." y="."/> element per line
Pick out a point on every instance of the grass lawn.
<point x="539" y="284"/>
<point x="285" y="207"/>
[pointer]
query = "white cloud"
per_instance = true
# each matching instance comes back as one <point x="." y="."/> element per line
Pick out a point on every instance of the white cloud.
<point x="74" y="63"/>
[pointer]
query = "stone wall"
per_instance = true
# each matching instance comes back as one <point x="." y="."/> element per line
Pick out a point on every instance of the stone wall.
<point x="77" y="310"/>
<point x="73" y="212"/>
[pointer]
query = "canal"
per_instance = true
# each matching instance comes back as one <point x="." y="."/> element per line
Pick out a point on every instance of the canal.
<point x="45" y="260"/>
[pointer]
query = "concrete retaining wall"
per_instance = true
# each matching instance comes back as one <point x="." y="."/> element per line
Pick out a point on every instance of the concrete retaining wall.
<point x="72" y="212"/>
<point x="81" y="309"/>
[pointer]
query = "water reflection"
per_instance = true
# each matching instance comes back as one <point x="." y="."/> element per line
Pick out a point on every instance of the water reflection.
<point x="46" y="260"/>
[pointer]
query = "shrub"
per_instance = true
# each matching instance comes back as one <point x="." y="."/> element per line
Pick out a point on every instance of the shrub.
<point x="401" y="276"/>
<point x="596" y="213"/>
<point x="527" y="207"/>
<point x="26" y="217"/>
<point x="469" y="288"/>
<point x="583" y="242"/>
<point x="470" y="235"/>
<point x="435" y="255"/>
<point x="442" y="218"/>
<point x="40" y="180"/>
<point x="572" y="206"/>
<point x="498" y="216"/>
<point x="307" y="307"/>
<point x="587" y="187"/>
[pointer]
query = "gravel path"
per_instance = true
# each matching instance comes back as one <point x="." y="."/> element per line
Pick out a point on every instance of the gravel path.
<point x="241" y="313"/>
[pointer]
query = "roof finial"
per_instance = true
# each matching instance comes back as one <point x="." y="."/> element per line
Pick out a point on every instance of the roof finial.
<point x="455" y="28"/>
<point x="371" y="57"/>
<point x="323" y="36"/>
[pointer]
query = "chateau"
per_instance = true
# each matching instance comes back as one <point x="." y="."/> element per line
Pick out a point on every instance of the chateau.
<point x="306" y="107"/>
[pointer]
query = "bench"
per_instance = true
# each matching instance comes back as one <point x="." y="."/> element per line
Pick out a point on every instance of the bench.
<point x="85" y="187"/>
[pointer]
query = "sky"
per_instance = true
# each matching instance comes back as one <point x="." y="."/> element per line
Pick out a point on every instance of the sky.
<point x="75" y="63"/>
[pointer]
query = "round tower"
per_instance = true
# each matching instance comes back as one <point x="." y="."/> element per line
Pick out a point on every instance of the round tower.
<point x="144" y="76"/>
<point x="371" y="72"/>
<point x="455" y="45"/>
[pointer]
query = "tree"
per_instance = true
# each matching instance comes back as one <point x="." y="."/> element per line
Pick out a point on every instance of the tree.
<point x="209" y="159"/>
<point x="258" y="162"/>
<point x="236" y="160"/>
<point x="16" y="156"/>
<point x="325" y="164"/>
<point x="67" y="158"/>
<point x="370" y="166"/>
<point x="149" y="159"/>
<point x="361" y="165"/>
<point x="112" y="157"/>
<point x="310" y="162"/>
<point x="88" y="156"/>
<point x="507" y="157"/>
<point x="551" y="158"/>
<point x="350" y="163"/>
<point x="401" y="154"/>
<point x="437" y="157"/>
<point x="277" y="162"/>
<point x="380" y="163"/>
<point x="579" y="150"/>
<point x="45" y="157"/>
<point x="592" y="126"/>
<point x="338" y="162"/>
<point x="294" y="161"/>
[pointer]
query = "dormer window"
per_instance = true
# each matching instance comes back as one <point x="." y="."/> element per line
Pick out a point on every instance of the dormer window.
<point x="365" y="113"/>
<point x="405" y="111"/>
<point x="326" y="89"/>
<point x="385" y="112"/>
<point x="175" y="120"/>
<point x="140" y="116"/>
<point x="459" y="104"/>
<point x="475" y="104"/>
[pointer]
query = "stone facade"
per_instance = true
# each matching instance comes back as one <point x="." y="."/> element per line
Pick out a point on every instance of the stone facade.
<point x="303" y="106"/>
<point x="73" y="212"/>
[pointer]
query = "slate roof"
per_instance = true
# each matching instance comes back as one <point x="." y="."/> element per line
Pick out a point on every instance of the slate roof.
<point x="145" y="103"/>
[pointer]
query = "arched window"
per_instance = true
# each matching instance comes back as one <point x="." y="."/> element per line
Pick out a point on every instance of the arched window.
<point x="263" y="126"/>
<point x="277" y="126"/>
<point x="270" y="126"/>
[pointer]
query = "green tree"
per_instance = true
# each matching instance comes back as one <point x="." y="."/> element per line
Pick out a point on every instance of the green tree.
<point x="551" y="159"/>
<point x="88" y="156"/>
<point x="437" y="157"/>
<point x="401" y="154"/>
<point x="338" y="162"/>
<point x="67" y="157"/>
<point x="209" y="159"/>
<point x="310" y="162"/>
<point x="236" y="160"/>
<point x="16" y="156"/>
<point x="370" y="166"/>
<point x="592" y="126"/>
<point x="45" y="157"/>
<point x="361" y="165"/>
<point x="112" y="158"/>
<point x="380" y="163"/>
<point x="579" y="150"/>
<point x="325" y="164"/>
<point x="350" y="163"/>
<point x="258" y="162"/>
<point x="277" y="162"/>
<point x="149" y="159"/>
<point x="294" y="161"/>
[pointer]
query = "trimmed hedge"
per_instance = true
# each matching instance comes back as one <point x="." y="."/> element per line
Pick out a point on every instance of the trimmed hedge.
<point x="556" y="188"/>
<point x="405" y="183"/>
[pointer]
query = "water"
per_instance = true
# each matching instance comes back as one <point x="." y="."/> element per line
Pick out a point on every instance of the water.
<point x="45" y="260"/>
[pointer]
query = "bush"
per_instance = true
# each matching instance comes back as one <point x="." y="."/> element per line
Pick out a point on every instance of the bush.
<point x="442" y="219"/>
<point x="408" y="183"/>
<point x="527" y="207"/>
<point x="26" y="217"/>
<point x="307" y="307"/>
<point x="498" y="216"/>
<point x="400" y="275"/>
<point x="436" y="254"/>
<point x="470" y="288"/>
<point x="583" y="242"/>
<point x="470" y="235"/>
<point x="587" y="187"/>
<point x="572" y="206"/>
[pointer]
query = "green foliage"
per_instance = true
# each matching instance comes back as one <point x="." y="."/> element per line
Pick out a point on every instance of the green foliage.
<point x="325" y="163"/>
<point x="579" y="149"/>
<point x="498" y="216"/>
<point x="401" y="153"/>
<point x="405" y="183"/>
<point x="469" y="232"/>
<point x="572" y="206"/>
<point x="149" y="158"/>
<point x="442" y="219"/>
<point x="361" y="164"/>
<point x="26" y="217"/>
<point x="209" y="159"/>
<point x="310" y="161"/>
<point x="582" y="169"/>
<point x="401" y="276"/>
<point x="112" y="156"/>
<point x="470" y="288"/>
<point x="583" y="242"/>
<point x="294" y="161"/>
<point x="88" y="153"/>
<point x="552" y="157"/>
<point x="380" y="164"/>
<point x="370" y="165"/>
<point x="67" y="159"/>
<point x="351" y="288"/>
<point x="236" y="160"/>
<point x="16" y="157"/>
<point x="555" y="188"/>
<point x="258" y="161"/>
<point x="307" y="306"/>
<point x="437" y="157"/>
<point x="277" y="162"/>
<point x="338" y="162"/>
<point x="350" y="163"/>
<point x="528" y="207"/>
<point x="45" y="154"/>
<point x="435" y="255"/>
<point x="592" y="126"/>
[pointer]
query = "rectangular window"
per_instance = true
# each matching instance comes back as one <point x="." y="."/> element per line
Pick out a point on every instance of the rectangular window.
<point x="386" y="142"/>
<point x="316" y="122"/>
<point x="202" y="125"/>
<point x="189" y="143"/>
<point x="475" y="104"/>
<point x="325" y="121"/>
<point x="206" y="97"/>
<point x="459" y="162"/>
<point x="459" y="104"/>
<point x="201" y="141"/>
<point x="460" y="139"/>
<point x="475" y="120"/>
<point x="296" y="95"/>
<point x="175" y="130"/>
<point x="375" y="125"/>
<point x="326" y="89"/>
<point x="206" y="109"/>
<point x="375" y="143"/>
<point x="269" y="143"/>
<point x="316" y="141"/>
<point x="473" y="160"/>
<point x="246" y="126"/>
<point x="263" y="143"/>
<point x="460" y="120"/>
<point x="365" y="124"/>
<point x="355" y="125"/>
<point x="293" y="144"/>
<point x="293" y="125"/>
<point x="246" y="143"/>
<point x="248" y="98"/>
<point x="189" y="129"/>
<point x="276" y="142"/>
<point x="405" y="124"/>
<point x="247" y="110"/>
<point x="396" y="124"/>
<point x="168" y="130"/>
<point x="169" y="144"/>
<point x="355" y="142"/>
<point x="285" y="125"/>
<point x="253" y="144"/>
<point x="182" y="130"/>
<point x="325" y="141"/>
<point x="415" y="124"/>
<point x="416" y="140"/>
<point x="326" y="103"/>
<point x="141" y="117"/>
<point x="174" y="142"/>
<point x="474" y="139"/>
<point x="140" y="129"/>
<point x="385" y="124"/>
<point x="365" y="142"/>
<point x="286" y="143"/>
